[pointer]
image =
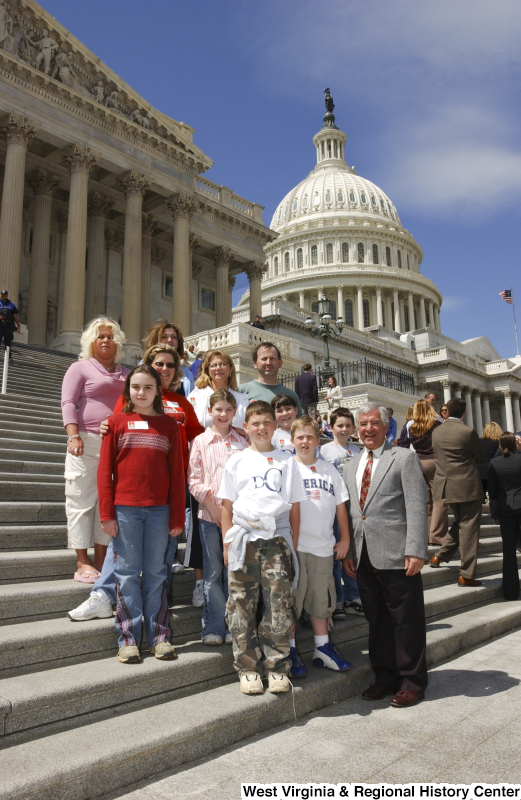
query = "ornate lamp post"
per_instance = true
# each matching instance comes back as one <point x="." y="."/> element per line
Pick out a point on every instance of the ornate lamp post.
<point x="326" y="327"/>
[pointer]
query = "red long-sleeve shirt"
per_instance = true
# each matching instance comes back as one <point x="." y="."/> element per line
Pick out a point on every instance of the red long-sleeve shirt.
<point x="141" y="464"/>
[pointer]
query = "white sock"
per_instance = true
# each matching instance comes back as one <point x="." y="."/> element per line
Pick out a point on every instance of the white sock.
<point x="320" y="641"/>
<point x="102" y="594"/>
<point x="199" y="583"/>
<point x="292" y="643"/>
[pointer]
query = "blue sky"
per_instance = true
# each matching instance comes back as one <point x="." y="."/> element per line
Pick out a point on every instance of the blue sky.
<point x="428" y="94"/>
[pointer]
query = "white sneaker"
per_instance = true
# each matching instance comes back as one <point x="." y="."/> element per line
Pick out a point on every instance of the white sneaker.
<point x="95" y="607"/>
<point x="251" y="683"/>
<point x="212" y="639"/>
<point x="278" y="682"/>
<point x="177" y="567"/>
<point x="198" y="595"/>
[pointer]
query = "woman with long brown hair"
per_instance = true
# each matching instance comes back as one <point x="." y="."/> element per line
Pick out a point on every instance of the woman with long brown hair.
<point x="165" y="332"/>
<point x="424" y="421"/>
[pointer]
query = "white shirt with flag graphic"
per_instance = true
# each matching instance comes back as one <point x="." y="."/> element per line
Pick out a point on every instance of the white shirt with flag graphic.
<point x="325" y="490"/>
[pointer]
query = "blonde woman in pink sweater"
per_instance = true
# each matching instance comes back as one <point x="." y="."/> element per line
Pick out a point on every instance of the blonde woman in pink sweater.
<point x="90" y="390"/>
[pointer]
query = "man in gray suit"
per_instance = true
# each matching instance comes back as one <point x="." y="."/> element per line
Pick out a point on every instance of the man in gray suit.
<point x="389" y="530"/>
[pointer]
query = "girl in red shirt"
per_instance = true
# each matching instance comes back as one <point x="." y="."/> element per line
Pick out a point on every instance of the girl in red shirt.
<point x="141" y="486"/>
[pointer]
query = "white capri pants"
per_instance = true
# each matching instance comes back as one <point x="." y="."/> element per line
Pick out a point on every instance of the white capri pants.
<point x="81" y="496"/>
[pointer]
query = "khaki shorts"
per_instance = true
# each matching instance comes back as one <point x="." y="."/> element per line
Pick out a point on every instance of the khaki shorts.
<point x="316" y="591"/>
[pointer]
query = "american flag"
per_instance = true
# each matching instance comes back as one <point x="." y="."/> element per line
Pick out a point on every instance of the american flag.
<point x="506" y="294"/>
<point x="313" y="494"/>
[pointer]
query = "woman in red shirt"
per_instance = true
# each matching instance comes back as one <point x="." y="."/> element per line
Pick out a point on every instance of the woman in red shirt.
<point x="141" y="485"/>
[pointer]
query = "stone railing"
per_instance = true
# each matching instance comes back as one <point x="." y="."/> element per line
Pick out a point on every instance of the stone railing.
<point x="225" y="197"/>
<point x="493" y="367"/>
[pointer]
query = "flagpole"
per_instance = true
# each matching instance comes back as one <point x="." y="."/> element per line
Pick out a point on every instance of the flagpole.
<point x="515" y="321"/>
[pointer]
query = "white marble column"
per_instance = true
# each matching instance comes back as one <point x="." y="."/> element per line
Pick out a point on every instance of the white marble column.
<point x="222" y="257"/>
<point x="135" y="185"/>
<point x="389" y="312"/>
<point x="231" y="286"/>
<point x="80" y="160"/>
<point x="340" y="310"/>
<point x="255" y="271"/>
<point x="517" y="415"/>
<point x="379" y="307"/>
<point x="437" y="319"/>
<point x="43" y="185"/>
<point x="397" y="315"/>
<point x="302" y="299"/>
<point x="98" y="207"/>
<point x="149" y="227"/>
<point x="431" y="314"/>
<point x="469" y="419"/>
<point x="182" y="207"/>
<point x="360" y="306"/>
<point x="423" y="316"/>
<point x="477" y="413"/>
<point x="509" y="412"/>
<point x="18" y="133"/>
<point x="486" y="408"/>
<point x="410" y="303"/>
<point x="446" y="390"/>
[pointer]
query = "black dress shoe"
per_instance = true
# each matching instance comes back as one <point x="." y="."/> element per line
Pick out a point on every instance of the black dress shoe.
<point x="376" y="692"/>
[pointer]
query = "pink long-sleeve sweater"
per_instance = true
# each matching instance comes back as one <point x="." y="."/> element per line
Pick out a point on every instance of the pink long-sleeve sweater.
<point x="89" y="393"/>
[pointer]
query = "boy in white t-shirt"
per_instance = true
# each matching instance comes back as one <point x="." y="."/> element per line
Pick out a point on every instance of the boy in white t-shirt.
<point x="286" y="412"/>
<point x="261" y="490"/>
<point x="316" y="548"/>
<point x="337" y="453"/>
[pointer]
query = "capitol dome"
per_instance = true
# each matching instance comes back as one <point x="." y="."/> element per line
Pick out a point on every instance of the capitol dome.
<point x="340" y="238"/>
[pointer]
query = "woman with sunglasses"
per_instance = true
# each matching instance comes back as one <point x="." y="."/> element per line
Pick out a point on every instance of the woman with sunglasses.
<point x="444" y="412"/>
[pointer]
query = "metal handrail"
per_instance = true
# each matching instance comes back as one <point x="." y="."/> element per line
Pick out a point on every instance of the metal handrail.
<point x="6" y="370"/>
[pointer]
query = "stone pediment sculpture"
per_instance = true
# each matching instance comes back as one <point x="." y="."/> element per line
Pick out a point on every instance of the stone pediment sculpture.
<point x="33" y="36"/>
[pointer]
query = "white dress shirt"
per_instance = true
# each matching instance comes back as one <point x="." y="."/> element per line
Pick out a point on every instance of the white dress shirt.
<point x="362" y="461"/>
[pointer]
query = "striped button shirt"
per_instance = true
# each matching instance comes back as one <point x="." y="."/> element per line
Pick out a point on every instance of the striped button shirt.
<point x="208" y="457"/>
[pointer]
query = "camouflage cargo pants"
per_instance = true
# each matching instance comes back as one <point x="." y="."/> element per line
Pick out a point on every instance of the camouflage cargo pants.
<point x="264" y="648"/>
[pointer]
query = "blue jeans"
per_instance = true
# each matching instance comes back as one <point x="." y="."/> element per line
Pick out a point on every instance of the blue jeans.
<point x="349" y="590"/>
<point x="141" y="574"/>
<point x="215" y="577"/>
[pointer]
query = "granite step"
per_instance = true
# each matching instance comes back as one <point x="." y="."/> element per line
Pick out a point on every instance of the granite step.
<point x="37" y="421"/>
<point x="32" y="536"/>
<point x="16" y="513"/>
<point x="99" y="759"/>
<point x="46" y="466"/>
<point x="32" y="445"/>
<point x="10" y="405"/>
<point x="36" y="433"/>
<point x="11" y="491"/>
<point x="35" y="477"/>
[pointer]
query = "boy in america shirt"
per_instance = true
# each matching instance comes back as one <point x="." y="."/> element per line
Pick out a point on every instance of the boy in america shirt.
<point x="316" y="549"/>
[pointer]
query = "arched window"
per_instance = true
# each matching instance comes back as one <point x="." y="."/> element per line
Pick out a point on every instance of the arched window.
<point x="349" y="313"/>
<point x="352" y="197"/>
<point x="314" y="255"/>
<point x="345" y="253"/>
<point x="276" y="265"/>
<point x="363" y="198"/>
<point x="399" y="254"/>
<point x="361" y="254"/>
<point x="305" y="202"/>
<point x="340" y="196"/>
<point x="328" y="196"/>
<point x="314" y="307"/>
<point x="329" y="253"/>
<point x="375" y="254"/>
<point x="300" y="258"/>
<point x="367" y="319"/>
<point x="388" y="256"/>
<point x="286" y="262"/>
<point x="295" y="204"/>
<point x="406" y="318"/>
<point x="373" y="201"/>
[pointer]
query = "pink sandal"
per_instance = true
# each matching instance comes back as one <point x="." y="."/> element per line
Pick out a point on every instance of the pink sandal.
<point x="87" y="576"/>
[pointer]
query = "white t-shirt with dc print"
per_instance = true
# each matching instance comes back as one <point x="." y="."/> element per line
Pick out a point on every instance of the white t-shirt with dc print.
<point x="262" y="485"/>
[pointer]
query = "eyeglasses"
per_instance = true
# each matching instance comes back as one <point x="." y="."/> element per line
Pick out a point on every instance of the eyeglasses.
<point x="220" y="365"/>
<point x="170" y="364"/>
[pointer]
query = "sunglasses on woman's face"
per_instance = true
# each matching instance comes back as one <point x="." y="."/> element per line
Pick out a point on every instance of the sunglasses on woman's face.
<point x="170" y="364"/>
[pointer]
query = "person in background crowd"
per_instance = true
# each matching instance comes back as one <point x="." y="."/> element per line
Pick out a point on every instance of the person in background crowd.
<point x="444" y="412"/>
<point x="164" y="332"/>
<point x="491" y="436"/>
<point x="286" y="411"/>
<point x="424" y="422"/>
<point x="217" y="372"/>
<point x="403" y="441"/>
<point x="141" y="501"/>
<point x="325" y="427"/>
<point x="431" y="398"/>
<point x="267" y="361"/>
<point x="307" y="391"/>
<point x="458" y="451"/>
<point x="392" y="428"/>
<point x="210" y="453"/>
<point x="317" y="547"/>
<point x="9" y="321"/>
<point x="504" y="489"/>
<point x="190" y="354"/>
<point x="257" y="323"/>
<point x="90" y="390"/>
<point x="194" y="369"/>
<point x="334" y="393"/>
<point x="165" y="360"/>
<point x="389" y="531"/>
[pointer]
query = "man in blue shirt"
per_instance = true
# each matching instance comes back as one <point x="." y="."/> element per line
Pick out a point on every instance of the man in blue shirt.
<point x="9" y="320"/>
<point x="392" y="428"/>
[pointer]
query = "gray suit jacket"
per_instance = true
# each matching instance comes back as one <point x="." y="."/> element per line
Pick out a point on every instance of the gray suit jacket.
<point x="394" y="520"/>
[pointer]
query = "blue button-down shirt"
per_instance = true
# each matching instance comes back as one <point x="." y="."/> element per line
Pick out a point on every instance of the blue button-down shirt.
<point x="391" y="430"/>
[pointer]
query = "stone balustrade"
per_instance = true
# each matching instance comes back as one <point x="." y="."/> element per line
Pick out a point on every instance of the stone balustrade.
<point x="225" y="197"/>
